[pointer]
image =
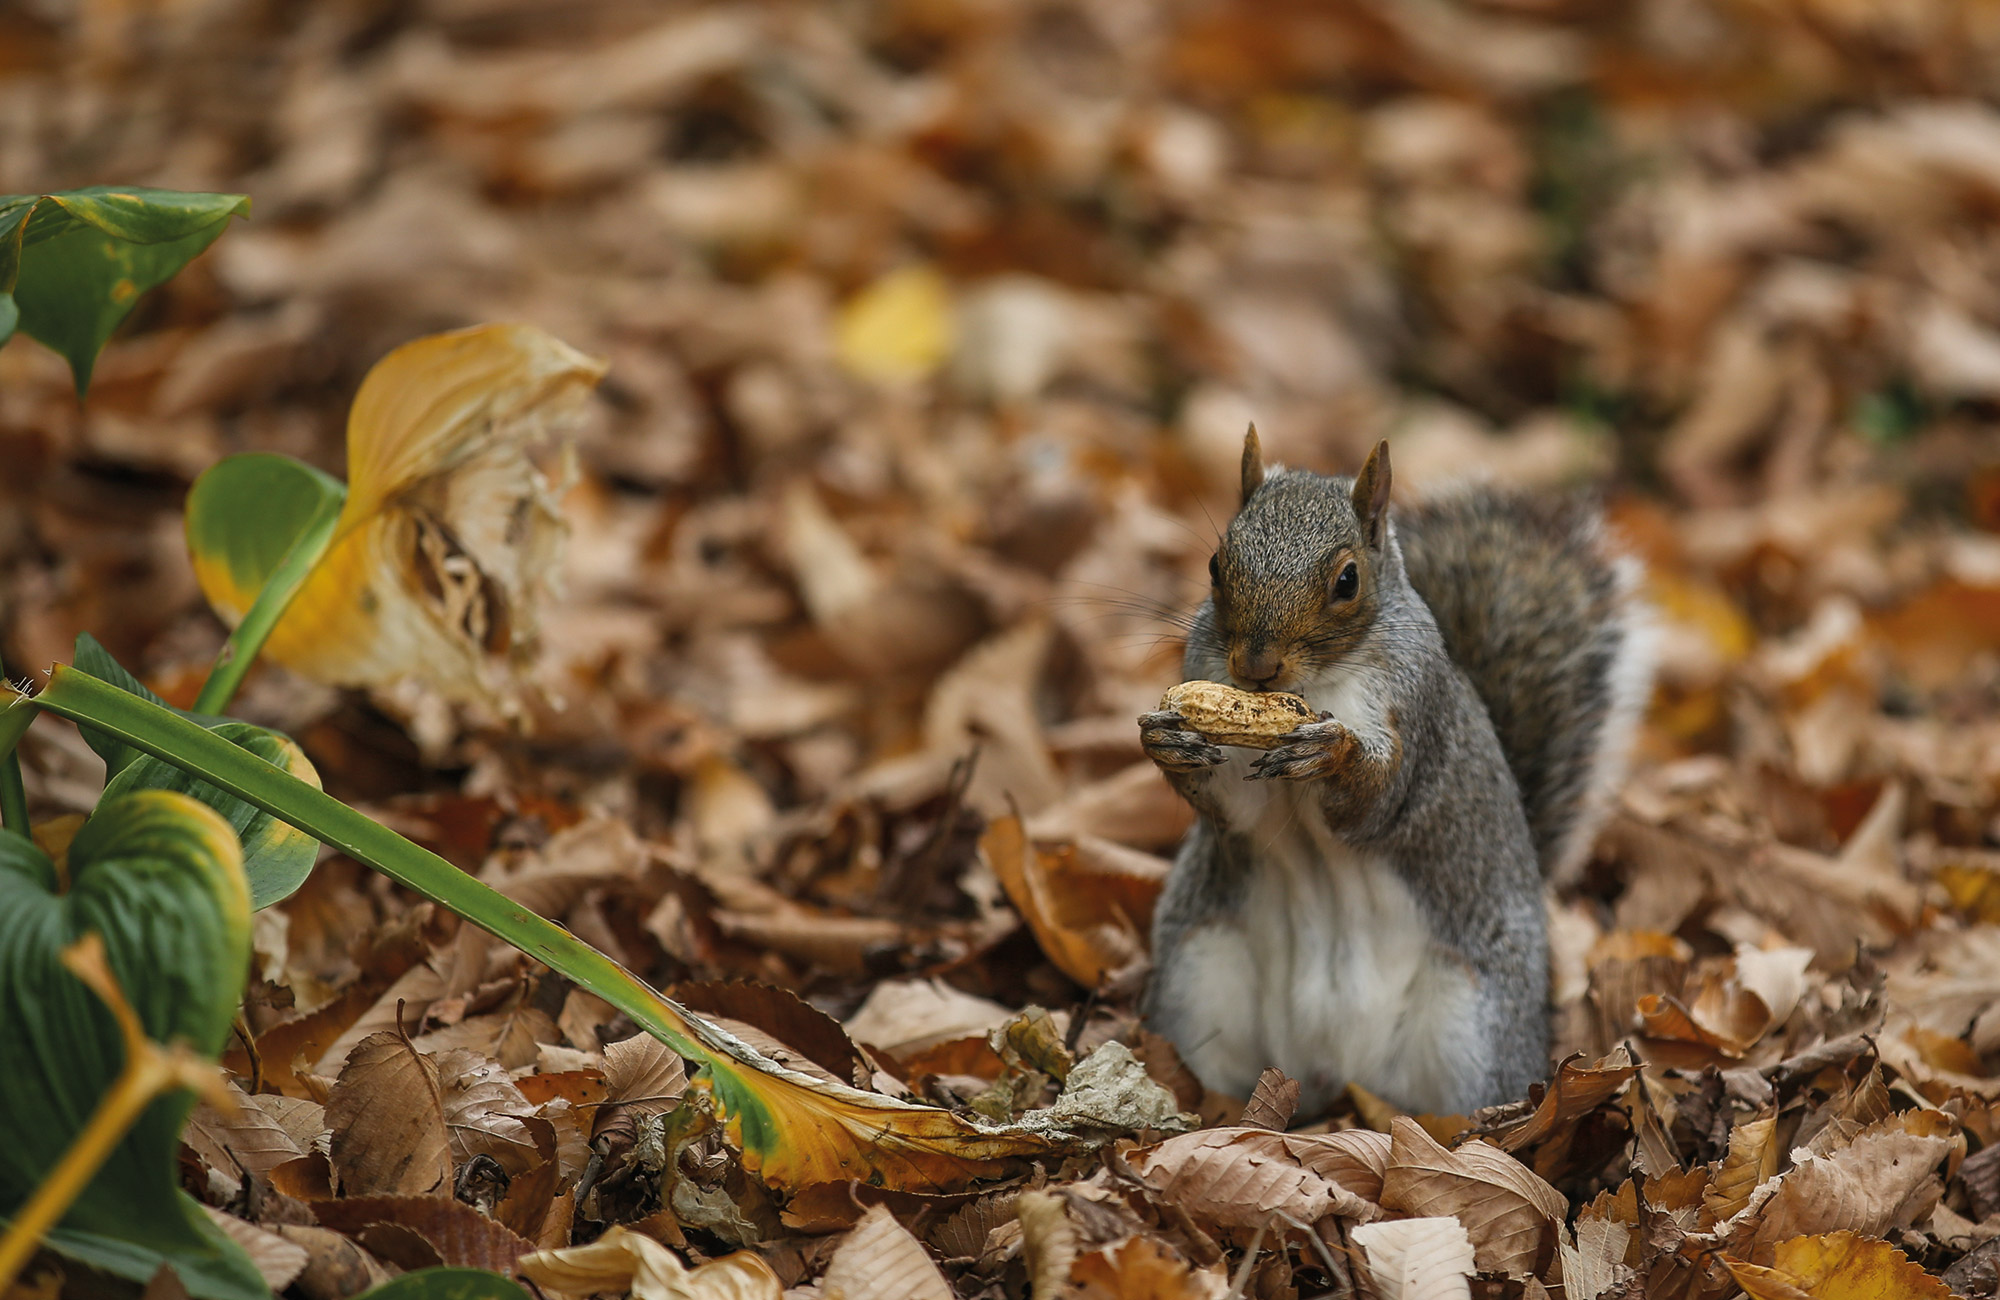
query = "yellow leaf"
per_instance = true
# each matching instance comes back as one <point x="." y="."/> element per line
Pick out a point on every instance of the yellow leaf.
<point x="899" y="329"/>
<point x="449" y="536"/>
<point x="1838" y="1266"/>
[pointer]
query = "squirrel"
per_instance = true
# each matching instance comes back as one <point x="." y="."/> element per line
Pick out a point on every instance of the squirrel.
<point x="1364" y="903"/>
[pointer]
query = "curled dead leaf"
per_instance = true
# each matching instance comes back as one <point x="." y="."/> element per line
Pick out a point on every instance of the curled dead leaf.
<point x="622" y="1261"/>
<point x="1512" y="1216"/>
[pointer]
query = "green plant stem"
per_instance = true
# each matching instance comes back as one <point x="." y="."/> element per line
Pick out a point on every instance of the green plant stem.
<point x="240" y="651"/>
<point x="13" y="792"/>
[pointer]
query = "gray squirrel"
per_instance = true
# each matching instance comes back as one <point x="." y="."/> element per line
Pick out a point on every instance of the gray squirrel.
<point x="1364" y="903"/>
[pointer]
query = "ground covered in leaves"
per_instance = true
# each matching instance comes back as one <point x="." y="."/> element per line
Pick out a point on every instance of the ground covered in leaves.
<point x="933" y="326"/>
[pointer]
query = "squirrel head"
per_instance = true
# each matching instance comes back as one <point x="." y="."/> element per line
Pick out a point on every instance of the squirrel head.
<point x="1297" y="581"/>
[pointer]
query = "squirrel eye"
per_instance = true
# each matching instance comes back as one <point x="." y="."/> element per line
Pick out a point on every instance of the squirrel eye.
<point x="1347" y="583"/>
<point x="1215" y="570"/>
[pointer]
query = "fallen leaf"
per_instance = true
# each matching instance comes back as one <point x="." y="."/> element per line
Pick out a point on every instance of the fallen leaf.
<point x="1049" y="1241"/>
<point x="1511" y="1215"/>
<point x="1418" y="1259"/>
<point x="1143" y="1266"/>
<point x="623" y="1261"/>
<point x="1272" y="1102"/>
<point x="387" y="1117"/>
<point x="898" y="329"/>
<point x="1838" y="1266"/>
<point x="1244" y="1177"/>
<point x="1885" y="1178"/>
<point x="880" y="1260"/>
<point x="460" y="1235"/>
<point x="484" y="1112"/>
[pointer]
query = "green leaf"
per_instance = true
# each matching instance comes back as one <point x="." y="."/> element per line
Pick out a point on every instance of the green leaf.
<point x="158" y="876"/>
<point x="448" y="1284"/>
<point x="246" y="513"/>
<point x="256" y="525"/>
<point x="10" y="316"/>
<point x="276" y="857"/>
<point x="792" y="1130"/>
<point x="93" y="658"/>
<point x="77" y="261"/>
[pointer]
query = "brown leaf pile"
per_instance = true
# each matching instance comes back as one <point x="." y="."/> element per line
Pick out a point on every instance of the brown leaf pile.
<point x="933" y="326"/>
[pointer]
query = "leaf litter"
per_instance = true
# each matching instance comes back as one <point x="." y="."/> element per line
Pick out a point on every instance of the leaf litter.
<point x="931" y="330"/>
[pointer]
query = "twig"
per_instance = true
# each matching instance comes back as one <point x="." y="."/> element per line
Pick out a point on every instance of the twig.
<point x="1242" y="1279"/>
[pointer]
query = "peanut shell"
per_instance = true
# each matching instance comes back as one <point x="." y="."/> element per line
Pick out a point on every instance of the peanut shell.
<point x="1227" y="716"/>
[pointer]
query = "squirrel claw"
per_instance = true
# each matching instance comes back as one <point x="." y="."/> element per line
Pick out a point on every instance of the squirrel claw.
<point x="1311" y="752"/>
<point x="1169" y="743"/>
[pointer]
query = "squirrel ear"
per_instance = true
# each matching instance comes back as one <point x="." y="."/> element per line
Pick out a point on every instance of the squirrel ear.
<point x="1371" y="494"/>
<point x="1253" y="464"/>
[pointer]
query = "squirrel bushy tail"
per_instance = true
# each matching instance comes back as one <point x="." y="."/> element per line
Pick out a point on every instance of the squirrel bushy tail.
<point x="1544" y="617"/>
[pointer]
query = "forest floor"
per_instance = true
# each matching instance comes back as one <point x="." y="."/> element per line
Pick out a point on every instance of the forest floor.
<point x="933" y="328"/>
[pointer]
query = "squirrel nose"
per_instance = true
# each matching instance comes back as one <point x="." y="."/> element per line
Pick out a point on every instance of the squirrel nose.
<point x="1260" y="667"/>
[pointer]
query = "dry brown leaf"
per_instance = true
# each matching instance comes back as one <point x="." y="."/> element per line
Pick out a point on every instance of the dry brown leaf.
<point x="460" y="1235"/>
<point x="484" y="1113"/>
<point x="1143" y="1266"/>
<point x="804" y="1029"/>
<point x="643" y="1074"/>
<point x="1272" y="1102"/>
<point x="277" y="1260"/>
<point x="1246" y="1177"/>
<point x="905" y="1016"/>
<point x="1885" y="1178"/>
<point x="623" y="1261"/>
<point x="387" y="1117"/>
<point x="1418" y="1259"/>
<point x="1087" y="943"/>
<point x="1049" y="1240"/>
<point x="880" y="1260"/>
<point x="303" y="1121"/>
<point x="335" y="1266"/>
<point x="1752" y="1160"/>
<point x="1511" y="1215"/>
<point x="248" y="1141"/>
<point x="1576" y="1091"/>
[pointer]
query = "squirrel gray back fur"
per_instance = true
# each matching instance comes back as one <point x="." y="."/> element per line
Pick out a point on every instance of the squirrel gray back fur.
<point x="1546" y="621"/>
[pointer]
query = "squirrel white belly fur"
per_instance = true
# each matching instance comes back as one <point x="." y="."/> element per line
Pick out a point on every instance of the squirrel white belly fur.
<point x="1364" y="903"/>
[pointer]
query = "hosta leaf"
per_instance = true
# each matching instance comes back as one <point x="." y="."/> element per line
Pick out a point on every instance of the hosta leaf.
<point x="244" y="515"/>
<point x="792" y="1130"/>
<point x="158" y="876"/>
<point x="94" y="659"/>
<point x="449" y="536"/>
<point x="276" y="857"/>
<point x="77" y="261"/>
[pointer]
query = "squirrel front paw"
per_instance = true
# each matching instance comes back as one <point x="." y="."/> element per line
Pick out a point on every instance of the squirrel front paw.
<point x="1168" y="742"/>
<point x="1315" y="750"/>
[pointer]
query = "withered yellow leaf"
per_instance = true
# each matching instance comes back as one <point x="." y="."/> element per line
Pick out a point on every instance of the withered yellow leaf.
<point x="1838" y="1266"/>
<point x="450" y="536"/>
